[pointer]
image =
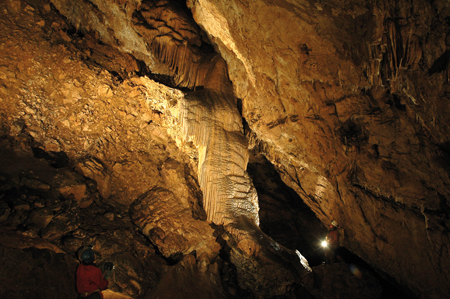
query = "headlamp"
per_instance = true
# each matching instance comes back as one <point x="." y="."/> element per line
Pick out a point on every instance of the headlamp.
<point x="324" y="243"/>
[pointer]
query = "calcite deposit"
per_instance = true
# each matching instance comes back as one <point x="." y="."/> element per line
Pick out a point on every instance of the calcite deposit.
<point x="205" y="146"/>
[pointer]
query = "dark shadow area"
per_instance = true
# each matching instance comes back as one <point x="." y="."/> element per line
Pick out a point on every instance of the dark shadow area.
<point x="288" y="220"/>
<point x="442" y="156"/>
<point x="228" y="271"/>
<point x="283" y="214"/>
<point x="353" y="134"/>
<point x="391" y="289"/>
<point x="55" y="159"/>
<point x="441" y="64"/>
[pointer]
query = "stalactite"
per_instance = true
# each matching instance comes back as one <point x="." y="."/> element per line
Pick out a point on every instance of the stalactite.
<point x="399" y="50"/>
<point x="205" y="117"/>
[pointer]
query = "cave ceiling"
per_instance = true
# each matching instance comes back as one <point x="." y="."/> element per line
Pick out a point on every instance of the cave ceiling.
<point x="166" y="112"/>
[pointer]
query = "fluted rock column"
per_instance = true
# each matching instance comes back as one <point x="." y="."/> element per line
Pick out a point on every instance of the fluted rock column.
<point x="210" y="118"/>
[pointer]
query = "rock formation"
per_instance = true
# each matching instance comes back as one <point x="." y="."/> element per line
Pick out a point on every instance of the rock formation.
<point x="163" y="132"/>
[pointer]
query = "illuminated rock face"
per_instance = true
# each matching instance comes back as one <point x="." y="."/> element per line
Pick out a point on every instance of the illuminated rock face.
<point x="209" y="118"/>
<point x="347" y="100"/>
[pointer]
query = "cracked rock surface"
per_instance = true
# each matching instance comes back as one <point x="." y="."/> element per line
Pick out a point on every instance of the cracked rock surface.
<point x="146" y="128"/>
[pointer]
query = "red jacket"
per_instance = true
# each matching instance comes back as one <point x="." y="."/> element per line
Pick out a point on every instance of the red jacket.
<point x="90" y="279"/>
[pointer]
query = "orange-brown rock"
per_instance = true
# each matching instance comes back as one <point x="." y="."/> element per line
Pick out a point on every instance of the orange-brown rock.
<point x="342" y="100"/>
<point x="168" y="223"/>
<point x="128" y="124"/>
<point x="186" y="279"/>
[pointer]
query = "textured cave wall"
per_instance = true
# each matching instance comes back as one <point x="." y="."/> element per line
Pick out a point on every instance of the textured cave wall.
<point x="206" y="118"/>
<point x="47" y="212"/>
<point x="161" y="33"/>
<point x="137" y="150"/>
<point x="68" y="99"/>
<point x="112" y="137"/>
<point x="348" y="99"/>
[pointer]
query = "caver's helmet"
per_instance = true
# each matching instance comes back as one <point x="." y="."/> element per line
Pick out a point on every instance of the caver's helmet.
<point x="334" y="223"/>
<point x="87" y="255"/>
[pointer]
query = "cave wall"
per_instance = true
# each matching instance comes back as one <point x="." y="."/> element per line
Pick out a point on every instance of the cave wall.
<point x="164" y="34"/>
<point x="77" y="112"/>
<point x="133" y="146"/>
<point x="347" y="99"/>
<point x="57" y="99"/>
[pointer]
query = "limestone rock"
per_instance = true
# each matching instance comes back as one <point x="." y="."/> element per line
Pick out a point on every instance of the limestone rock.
<point x="60" y="225"/>
<point x="35" y="184"/>
<point x="4" y="211"/>
<point x="181" y="234"/>
<point x="178" y="283"/>
<point x="319" y="129"/>
<point x="23" y="269"/>
<point x="41" y="217"/>
<point x="348" y="100"/>
<point x="264" y="266"/>
<point x="21" y="206"/>
<point x="70" y="185"/>
<point x="95" y="170"/>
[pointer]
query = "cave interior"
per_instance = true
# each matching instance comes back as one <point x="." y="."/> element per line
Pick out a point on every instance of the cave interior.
<point x="205" y="147"/>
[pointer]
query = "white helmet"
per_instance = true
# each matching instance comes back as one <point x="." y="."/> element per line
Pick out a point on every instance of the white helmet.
<point x="334" y="223"/>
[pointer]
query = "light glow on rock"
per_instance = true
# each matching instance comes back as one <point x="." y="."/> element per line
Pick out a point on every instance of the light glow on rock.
<point x="303" y="261"/>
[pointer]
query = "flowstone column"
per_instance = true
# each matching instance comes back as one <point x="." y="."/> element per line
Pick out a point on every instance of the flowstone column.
<point x="211" y="120"/>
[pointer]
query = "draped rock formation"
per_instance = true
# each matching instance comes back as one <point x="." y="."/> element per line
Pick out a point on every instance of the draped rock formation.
<point x="209" y="118"/>
<point x="128" y="123"/>
<point x="366" y="75"/>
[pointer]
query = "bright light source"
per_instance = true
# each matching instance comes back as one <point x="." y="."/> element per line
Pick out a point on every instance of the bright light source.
<point x="324" y="243"/>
